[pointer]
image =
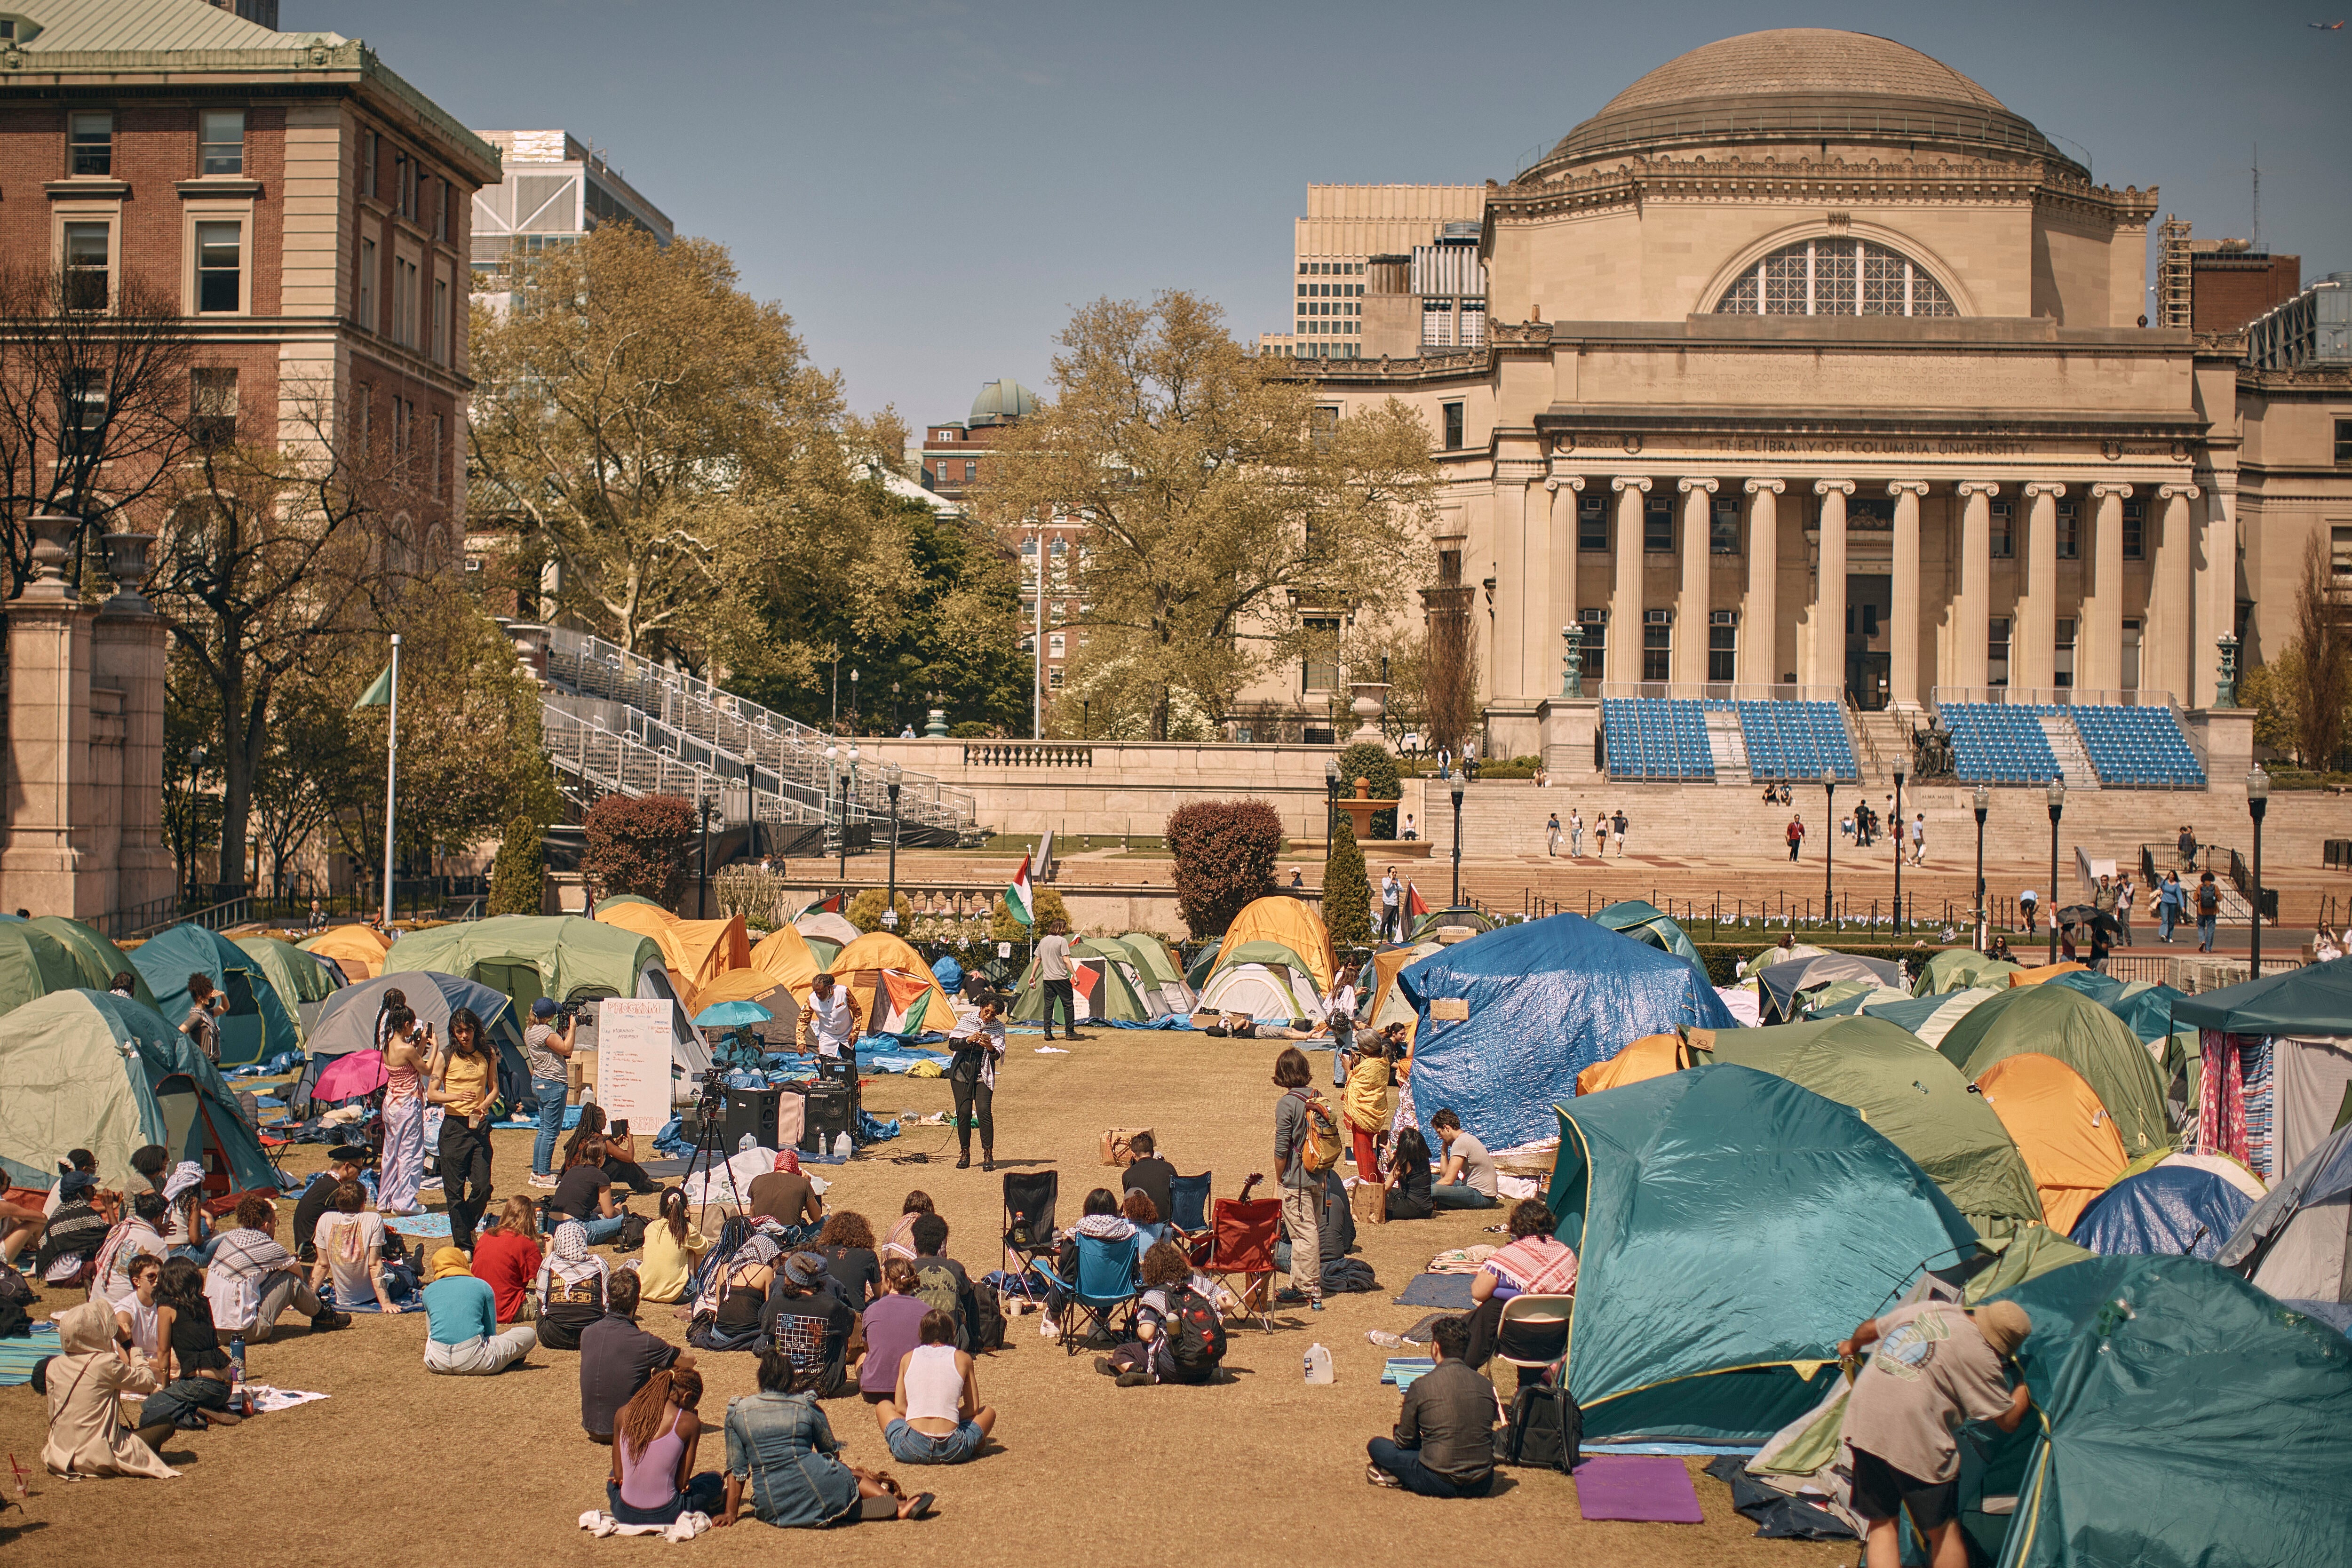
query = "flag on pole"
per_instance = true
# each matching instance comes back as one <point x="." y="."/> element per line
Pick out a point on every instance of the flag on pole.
<point x="1414" y="904"/>
<point x="378" y="694"/>
<point x="1018" y="897"/>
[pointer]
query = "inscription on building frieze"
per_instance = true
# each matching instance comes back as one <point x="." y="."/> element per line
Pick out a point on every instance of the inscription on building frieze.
<point x="1869" y="446"/>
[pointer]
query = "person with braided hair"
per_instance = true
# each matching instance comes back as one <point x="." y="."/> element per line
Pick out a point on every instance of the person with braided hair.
<point x="652" y="1479"/>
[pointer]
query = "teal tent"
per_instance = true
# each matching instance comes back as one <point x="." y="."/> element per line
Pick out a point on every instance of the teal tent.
<point x="2186" y="1419"/>
<point x="256" y="1028"/>
<point x="2146" y="1009"/>
<point x="1730" y="1229"/>
<point x="1645" y="922"/>
<point x="303" y="981"/>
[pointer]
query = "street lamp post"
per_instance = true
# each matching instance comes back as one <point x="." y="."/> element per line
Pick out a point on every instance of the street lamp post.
<point x="848" y="799"/>
<point x="1983" y="804"/>
<point x="702" y="893"/>
<point x="892" y="780"/>
<point x="1330" y="805"/>
<point x="894" y="708"/>
<point x="2257" y="804"/>
<point x="1898" y="848"/>
<point x="1457" y="840"/>
<point x="1828" y="842"/>
<point x="2057" y="809"/>
<point x="853" y="696"/>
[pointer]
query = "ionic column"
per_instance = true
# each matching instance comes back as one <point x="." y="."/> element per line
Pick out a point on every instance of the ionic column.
<point x="2099" y="637"/>
<point x="2171" y="641"/>
<point x="1509" y="680"/>
<point x="1549" y="590"/>
<point x="1625" y="581"/>
<point x="2033" y="637"/>
<point x="1829" y="597"/>
<point x="2217" y="590"/>
<point x="1903" y="637"/>
<point x="1760" y="632"/>
<point x="1691" y="605"/>
<point x="1972" y="615"/>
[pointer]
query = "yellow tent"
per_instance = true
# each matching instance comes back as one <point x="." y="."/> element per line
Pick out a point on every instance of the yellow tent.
<point x="787" y="956"/>
<point x="860" y="966"/>
<point x="1389" y="1005"/>
<point x="634" y="914"/>
<point x="700" y="951"/>
<point x="1296" y="925"/>
<point x="1651" y="1056"/>
<point x="357" y="949"/>
<point x="2047" y="971"/>
<point x="2058" y="1123"/>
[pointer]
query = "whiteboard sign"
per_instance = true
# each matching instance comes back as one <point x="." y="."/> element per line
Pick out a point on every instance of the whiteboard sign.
<point x="633" y="1059"/>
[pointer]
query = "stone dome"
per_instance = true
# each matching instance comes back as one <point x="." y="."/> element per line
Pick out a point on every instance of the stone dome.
<point x="1000" y="401"/>
<point x="1798" y="85"/>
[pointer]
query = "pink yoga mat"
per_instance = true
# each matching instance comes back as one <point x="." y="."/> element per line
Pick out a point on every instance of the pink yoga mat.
<point x="1652" y="1488"/>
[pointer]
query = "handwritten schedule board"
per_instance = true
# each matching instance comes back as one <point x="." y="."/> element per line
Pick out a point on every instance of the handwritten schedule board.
<point x="633" y="1059"/>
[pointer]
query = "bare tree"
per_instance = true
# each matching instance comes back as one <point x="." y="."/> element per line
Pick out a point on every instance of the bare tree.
<point x="2323" y="637"/>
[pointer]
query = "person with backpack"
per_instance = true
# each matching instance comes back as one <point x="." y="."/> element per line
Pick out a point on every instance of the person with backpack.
<point x="1444" y="1441"/>
<point x="1306" y="1147"/>
<point x="942" y="1283"/>
<point x="2208" y="910"/>
<point x="1178" y="1337"/>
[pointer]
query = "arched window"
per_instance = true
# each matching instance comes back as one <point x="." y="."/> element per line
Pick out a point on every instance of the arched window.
<point x="1835" y="277"/>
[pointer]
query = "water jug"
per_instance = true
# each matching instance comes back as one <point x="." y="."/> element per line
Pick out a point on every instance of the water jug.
<point x="1318" y="1364"/>
<point x="841" y="1146"/>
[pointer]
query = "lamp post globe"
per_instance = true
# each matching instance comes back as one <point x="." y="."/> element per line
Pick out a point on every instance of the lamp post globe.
<point x="1983" y="802"/>
<point x="2057" y="809"/>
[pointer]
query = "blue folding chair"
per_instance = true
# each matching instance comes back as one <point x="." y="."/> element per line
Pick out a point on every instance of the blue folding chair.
<point x="1108" y="1283"/>
<point x="1187" y="1196"/>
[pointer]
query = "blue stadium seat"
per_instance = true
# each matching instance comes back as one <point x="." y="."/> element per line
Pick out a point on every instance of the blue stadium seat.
<point x="1994" y="743"/>
<point x="1796" y="740"/>
<point x="2138" y="748"/>
<point x="1656" y="738"/>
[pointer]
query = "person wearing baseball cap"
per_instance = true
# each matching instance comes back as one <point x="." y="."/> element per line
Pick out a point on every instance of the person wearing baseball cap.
<point x="548" y="1050"/>
<point x="1936" y="1364"/>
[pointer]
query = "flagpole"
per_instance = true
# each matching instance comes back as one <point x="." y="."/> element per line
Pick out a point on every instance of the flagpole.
<point x="391" y="769"/>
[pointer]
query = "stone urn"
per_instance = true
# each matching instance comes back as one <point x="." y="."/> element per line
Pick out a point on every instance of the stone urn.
<point x="936" y="729"/>
<point x="1371" y="702"/>
<point x="53" y="535"/>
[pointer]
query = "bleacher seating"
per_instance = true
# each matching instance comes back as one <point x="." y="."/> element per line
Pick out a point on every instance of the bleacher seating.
<point x="1796" y="740"/>
<point x="2000" y="742"/>
<point x="1656" y="738"/>
<point x="2138" y="748"/>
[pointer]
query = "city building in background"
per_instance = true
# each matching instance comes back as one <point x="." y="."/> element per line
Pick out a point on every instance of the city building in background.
<point x="1335" y="246"/>
<point x="556" y="189"/>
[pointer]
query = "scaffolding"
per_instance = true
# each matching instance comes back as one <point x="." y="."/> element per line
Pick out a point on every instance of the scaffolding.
<point x="2175" y="295"/>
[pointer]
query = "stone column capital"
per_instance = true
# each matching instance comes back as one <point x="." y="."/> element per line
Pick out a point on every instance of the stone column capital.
<point x="1843" y="487"/>
<point x="1901" y="488"/>
<point x="2037" y="489"/>
<point x="1986" y="487"/>
<point x="2101" y="491"/>
<point x="1765" y="487"/>
<point x="1571" y="482"/>
<point x="2178" y="492"/>
<point x="1622" y="483"/>
<point x="1687" y="486"/>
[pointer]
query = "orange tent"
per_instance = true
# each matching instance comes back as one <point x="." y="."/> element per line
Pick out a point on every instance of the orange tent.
<point x="699" y="951"/>
<point x="638" y="915"/>
<point x="356" y="949"/>
<point x="2058" y="1123"/>
<point x="1279" y="918"/>
<point x="860" y="967"/>
<point x="2047" y="971"/>
<point x="787" y="956"/>
<point x="1651" y="1056"/>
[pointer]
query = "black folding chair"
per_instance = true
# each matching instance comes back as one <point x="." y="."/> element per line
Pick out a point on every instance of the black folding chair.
<point x="1029" y="1199"/>
<point x="1188" y="1201"/>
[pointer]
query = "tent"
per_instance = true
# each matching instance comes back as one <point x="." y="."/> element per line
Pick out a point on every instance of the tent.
<point x="1282" y="919"/>
<point x="1651" y="1056"/>
<point x="1162" y="970"/>
<point x="2183" y="1419"/>
<point x="1844" y="998"/>
<point x="2146" y="1009"/>
<point x="701" y="951"/>
<point x="2170" y="1209"/>
<point x="1508" y="1019"/>
<point x="787" y="956"/>
<point x="1388" y="1003"/>
<point x="346" y="1023"/>
<point x="357" y="948"/>
<point x="1645" y="922"/>
<point x="948" y="972"/>
<point x="2047" y="971"/>
<point x="100" y="959"/>
<point x="631" y="912"/>
<point x="1122" y="966"/>
<point x="1102" y="990"/>
<point x="1264" y="979"/>
<point x="1771" y="956"/>
<point x="2277" y="1051"/>
<point x="1931" y="1016"/>
<point x="860" y="966"/>
<point x="1910" y="1096"/>
<point x="33" y="964"/>
<point x="1784" y="982"/>
<point x="81" y="1068"/>
<point x="2231" y="1171"/>
<point x="2297" y="1243"/>
<point x="303" y="981"/>
<point x="1959" y="968"/>
<point x="1456" y="920"/>
<point x="755" y="984"/>
<point x="2068" y="1139"/>
<point x="256" y="1028"/>
<point x="824" y="923"/>
<point x="2055" y="1021"/>
<point x="1730" y="1228"/>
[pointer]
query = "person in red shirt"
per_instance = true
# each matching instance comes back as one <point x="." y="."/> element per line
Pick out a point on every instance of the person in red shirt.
<point x="506" y="1258"/>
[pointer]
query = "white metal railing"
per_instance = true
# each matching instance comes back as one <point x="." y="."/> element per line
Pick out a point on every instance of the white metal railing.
<point x="633" y="760"/>
<point x="1714" y="692"/>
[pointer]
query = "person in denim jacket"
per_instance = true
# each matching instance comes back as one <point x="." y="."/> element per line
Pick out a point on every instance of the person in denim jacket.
<point x="782" y="1460"/>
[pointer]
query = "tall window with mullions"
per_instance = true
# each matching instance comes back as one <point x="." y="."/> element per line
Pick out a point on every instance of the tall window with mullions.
<point x="1658" y="645"/>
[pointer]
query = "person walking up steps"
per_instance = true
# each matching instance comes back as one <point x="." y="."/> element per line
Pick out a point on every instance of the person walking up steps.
<point x="1575" y="835"/>
<point x="1551" y="835"/>
<point x="1054" y="971"/>
<point x="1796" y="835"/>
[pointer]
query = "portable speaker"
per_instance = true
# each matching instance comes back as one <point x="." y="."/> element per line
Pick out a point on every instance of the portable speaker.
<point x="752" y="1111"/>
<point x="831" y="1111"/>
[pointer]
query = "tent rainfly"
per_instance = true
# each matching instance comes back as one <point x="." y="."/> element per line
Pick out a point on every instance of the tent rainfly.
<point x="303" y="981"/>
<point x="356" y="948"/>
<point x="2057" y="1021"/>
<point x="256" y="1028"/>
<point x="347" y="1023"/>
<point x="100" y="959"/>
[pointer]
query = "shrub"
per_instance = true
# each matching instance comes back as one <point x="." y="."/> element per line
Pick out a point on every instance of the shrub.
<point x="1347" y="892"/>
<point x="1225" y="852"/>
<point x="518" y="875"/>
<point x="971" y="730"/>
<point x="637" y="843"/>
<point x="1373" y="764"/>
<point x="865" y="911"/>
<point x="1002" y="927"/>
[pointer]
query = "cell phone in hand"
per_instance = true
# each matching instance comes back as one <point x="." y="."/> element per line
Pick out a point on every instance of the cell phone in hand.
<point x="621" y="1128"/>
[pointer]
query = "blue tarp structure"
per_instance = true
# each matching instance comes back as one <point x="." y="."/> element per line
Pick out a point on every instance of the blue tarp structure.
<point x="948" y="973"/>
<point x="1509" y="1018"/>
<point x="2169" y="1211"/>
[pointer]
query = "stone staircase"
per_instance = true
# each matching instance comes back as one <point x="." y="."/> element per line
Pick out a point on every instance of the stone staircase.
<point x="1728" y="742"/>
<point x="2066" y="745"/>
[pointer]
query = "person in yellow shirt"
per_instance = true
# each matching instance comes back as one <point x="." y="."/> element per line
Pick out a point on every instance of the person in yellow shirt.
<point x="672" y="1250"/>
<point x="1366" y="1103"/>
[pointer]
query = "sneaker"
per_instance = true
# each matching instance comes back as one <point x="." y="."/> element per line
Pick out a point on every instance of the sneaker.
<point x="1384" y="1339"/>
<point x="1291" y="1298"/>
<point x="1316" y="1305"/>
<point x="1104" y="1366"/>
<point x="326" y="1320"/>
<point x="1376" y="1476"/>
<point x="1134" y="1379"/>
<point x="547" y="1182"/>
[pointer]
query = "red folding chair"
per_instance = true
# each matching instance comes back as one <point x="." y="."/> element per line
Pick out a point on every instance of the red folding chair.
<point x="1242" y="1233"/>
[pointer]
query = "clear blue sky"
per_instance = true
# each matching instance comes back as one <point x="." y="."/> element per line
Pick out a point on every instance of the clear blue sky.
<point x="931" y="186"/>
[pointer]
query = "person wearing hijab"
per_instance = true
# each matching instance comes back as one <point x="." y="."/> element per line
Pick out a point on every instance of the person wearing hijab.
<point x="570" y="1287"/>
<point x="187" y="1230"/>
<point x="86" y="1382"/>
<point x="461" y="1315"/>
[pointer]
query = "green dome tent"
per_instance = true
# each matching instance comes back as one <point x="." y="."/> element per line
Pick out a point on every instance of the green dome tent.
<point x="256" y="1028"/>
<point x="1645" y="922"/>
<point x="100" y="959"/>
<point x="1958" y="968"/>
<point x="2057" y="1022"/>
<point x="2145" y="1008"/>
<point x="1731" y="1228"/>
<point x="1931" y="1017"/>
<point x="1160" y="969"/>
<point x="1911" y="1096"/>
<point x="82" y="1068"/>
<point x="302" y="981"/>
<point x="33" y="964"/>
<point x="1102" y="988"/>
<point x="1265" y="979"/>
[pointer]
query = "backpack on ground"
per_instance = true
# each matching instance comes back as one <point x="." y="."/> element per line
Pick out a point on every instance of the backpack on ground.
<point x="1545" y="1427"/>
<point x="985" y="1332"/>
<point x="1196" y="1339"/>
<point x="1319" y="1148"/>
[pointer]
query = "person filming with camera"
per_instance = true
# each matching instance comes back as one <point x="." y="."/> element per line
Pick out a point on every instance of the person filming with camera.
<point x="548" y="1049"/>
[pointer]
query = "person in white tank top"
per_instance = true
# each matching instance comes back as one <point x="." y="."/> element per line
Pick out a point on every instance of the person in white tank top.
<point x="935" y="1416"/>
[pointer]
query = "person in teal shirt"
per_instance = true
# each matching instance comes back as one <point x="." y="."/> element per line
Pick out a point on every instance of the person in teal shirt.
<point x="461" y="1317"/>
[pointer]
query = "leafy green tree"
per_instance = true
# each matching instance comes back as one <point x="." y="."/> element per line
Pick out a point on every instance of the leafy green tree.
<point x="1347" y="892"/>
<point x="1002" y="927"/>
<point x="865" y="911"/>
<point x="637" y="843"/>
<point x="518" y="875"/>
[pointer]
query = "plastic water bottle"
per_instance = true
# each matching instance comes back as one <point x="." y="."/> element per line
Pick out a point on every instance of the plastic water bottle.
<point x="1318" y="1364"/>
<point x="237" y="1397"/>
<point x="841" y="1146"/>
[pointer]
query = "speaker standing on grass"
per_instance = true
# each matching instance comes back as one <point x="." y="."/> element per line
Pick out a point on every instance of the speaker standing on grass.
<point x="978" y="1043"/>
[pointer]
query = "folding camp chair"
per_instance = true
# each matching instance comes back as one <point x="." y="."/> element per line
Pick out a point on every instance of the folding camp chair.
<point x="1107" y="1281"/>
<point x="1188" y="1201"/>
<point x="1241" y="1235"/>
<point x="1533" y="1331"/>
<point x="1029" y="1198"/>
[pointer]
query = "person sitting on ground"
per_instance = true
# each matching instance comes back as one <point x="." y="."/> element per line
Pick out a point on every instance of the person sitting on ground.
<point x="620" y="1149"/>
<point x="616" y="1358"/>
<point x="847" y="1243"/>
<point x="673" y="1247"/>
<point x="1150" y="1173"/>
<point x="743" y="1287"/>
<point x="187" y="1229"/>
<point x="1445" y="1442"/>
<point x="784" y="1194"/>
<point x="781" y="1461"/>
<point x="461" y="1322"/>
<point x="80" y="1159"/>
<point x="507" y="1258"/>
<point x="583" y="1196"/>
<point x="653" y="1478"/>
<point x="893" y="1325"/>
<point x="350" y="1239"/>
<point x="2000" y="949"/>
<point x="139" y="1234"/>
<point x="74" y="1236"/>
<point x="252" y="1279"/>
<point x="191" y="1367"/>
<point x="148" y="1166"/>
<point x="1409" y="1177"/>
<point x="1139" y="1211"/>
<point x="805" y="1317"/>
<point x="96" y="1365"/>
<point x="939" y="1279"/>
<point x="1466" y="1178"/>
<point x="136" y="1312"/>
<point x="344" y="1164"/>
<point x="570" y="1287"/>
<point x="1936" y="1364"/>
<point x="934" y="1415"/>
<point x="1365" y="1104"/>
<point x="1151" y="1356"/>
<point x="124" y="985"/>
<point x="1535" y="1263"/>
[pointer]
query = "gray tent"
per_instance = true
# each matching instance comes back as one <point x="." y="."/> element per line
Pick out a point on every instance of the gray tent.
<point x="347" y="1023"/>
<point x="2297" y="1244"/>
<point x="1784" y="982"/>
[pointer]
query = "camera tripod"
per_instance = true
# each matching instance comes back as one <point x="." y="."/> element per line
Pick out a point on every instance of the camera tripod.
<point x="710" y="1133"/>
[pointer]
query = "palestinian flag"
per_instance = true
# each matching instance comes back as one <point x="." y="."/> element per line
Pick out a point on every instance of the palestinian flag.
<point x="828" y="905"/>
<point x="1087" y="989"/>
<point x="1019" y="898"/>
<point x="904" y="999"/>
<point x="1414" y="904"/>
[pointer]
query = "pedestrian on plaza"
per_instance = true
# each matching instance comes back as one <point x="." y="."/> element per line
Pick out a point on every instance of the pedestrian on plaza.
<point x="1575" y="835"/>
<point x="1551" y="834"/>
<point x="1919" y="838"/>
<point x="978" y="1044"/>
<point x="2326" y="946"/>
<point x="2187" y="848"/>
<point x="1470" y="761"/>
<point x="2171" y="899"/>
<point x="1617" y="822"/>
<point x="1301" y="1188"/>
<point x="2208" y="910"/>
<point x="828" y="1023"/>
<point x="1054" y="970"/>
<point x="2125" y="898"/>
<point x="1391" y="905"/>
<point x="546" y="1050"/>
<point x="1444" y="762"/>
<point x="2026" y="902"/>
<point x="318" y="916"/>
<point x="1601" y="836"/>
<point x="1796" y="833"/>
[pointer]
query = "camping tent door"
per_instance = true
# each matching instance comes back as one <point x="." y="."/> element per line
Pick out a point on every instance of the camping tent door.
<point x="519" y="981"/>
<point x="187" y="1129"/>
